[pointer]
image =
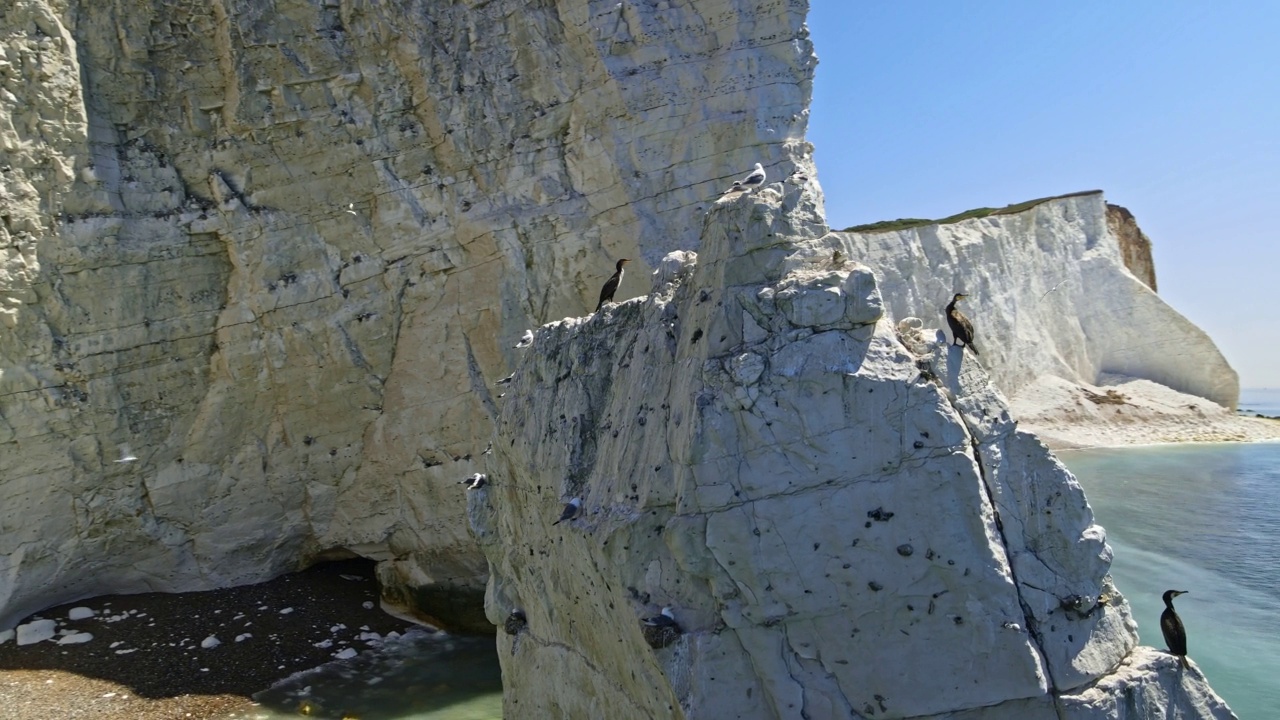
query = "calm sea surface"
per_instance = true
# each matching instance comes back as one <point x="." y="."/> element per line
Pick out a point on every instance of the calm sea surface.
<point x="420" y="676"/>
<point x="1202" y="518"/>
<point x="1260" y="401"/>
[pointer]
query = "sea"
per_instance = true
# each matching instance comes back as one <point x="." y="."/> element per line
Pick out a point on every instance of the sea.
<point x="1204" y="518"/>
<point x="421" y="675"/>
<point x="1260" y="401"/>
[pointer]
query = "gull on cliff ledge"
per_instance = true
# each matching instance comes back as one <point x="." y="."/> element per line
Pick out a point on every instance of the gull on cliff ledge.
<point x="570" y="511"/>
<point x="525" y="340"/>
<point x="754" y="179"/>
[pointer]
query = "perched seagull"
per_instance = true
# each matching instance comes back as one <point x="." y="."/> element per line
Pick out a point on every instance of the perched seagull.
<point x="125" y="455"/>
<point x="488" y="450"/>
<point x="755" y="179"/>
<point x="611" y="285"/>
<point x="515" y="622"/>
<point x="570" y="511"/>
<point x="351" y="208"/>
<point x="660" y="631"/>
<point x="736" y="187"/>
<point x="476" y="481"/>
<point x="666" y="619"/>
<point x="525" y="340"/>
<point x="506" y="379"/>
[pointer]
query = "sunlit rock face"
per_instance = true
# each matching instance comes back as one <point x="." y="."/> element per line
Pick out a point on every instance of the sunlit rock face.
<point x="840" y="514"/>
<point x="279" y="252"/>
<point x="1062" y="290"/>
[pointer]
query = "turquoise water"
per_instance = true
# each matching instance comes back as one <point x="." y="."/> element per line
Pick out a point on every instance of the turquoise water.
<point x="419" y="676"/>
<point x="1202" y="518"/>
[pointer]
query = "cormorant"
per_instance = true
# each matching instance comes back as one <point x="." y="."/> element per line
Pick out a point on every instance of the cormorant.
<point x="1175" y="636"/>
<point x="611" y="285"/>
<point x="570" y="511"/>
<point x="961" y="328"/>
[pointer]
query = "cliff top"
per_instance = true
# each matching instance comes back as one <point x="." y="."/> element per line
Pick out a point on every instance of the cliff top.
<point x="908" y="223"/>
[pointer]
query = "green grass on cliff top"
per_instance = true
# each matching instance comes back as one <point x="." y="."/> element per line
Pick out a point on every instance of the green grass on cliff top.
<point x="908" y="223"/>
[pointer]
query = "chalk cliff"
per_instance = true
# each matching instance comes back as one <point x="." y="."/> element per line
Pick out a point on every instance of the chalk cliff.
<point x="841" y="514"/>
<point x="261" y="265"/>
<point x="279" y="252"/>
<point x="1061" y="291"/>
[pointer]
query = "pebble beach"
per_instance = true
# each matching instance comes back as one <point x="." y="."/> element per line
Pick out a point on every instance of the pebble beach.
<point x="191" y="656"/>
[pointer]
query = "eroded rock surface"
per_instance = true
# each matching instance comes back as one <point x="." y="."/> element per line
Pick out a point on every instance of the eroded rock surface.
<point x="846" y="522"/>
<point x="1052" y="293"/>
<point x="279" y="253"/>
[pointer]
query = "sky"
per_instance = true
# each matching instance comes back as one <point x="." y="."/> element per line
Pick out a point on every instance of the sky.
<point x="926" y="108"/>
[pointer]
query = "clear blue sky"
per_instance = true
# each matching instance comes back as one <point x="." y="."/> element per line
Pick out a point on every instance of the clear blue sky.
<point x="925" y="108"/>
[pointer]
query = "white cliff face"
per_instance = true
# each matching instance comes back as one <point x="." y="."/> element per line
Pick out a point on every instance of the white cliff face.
<point x="283" y="255"/>
<point x="845" y="523"/>
<point x="1049" y="295"/>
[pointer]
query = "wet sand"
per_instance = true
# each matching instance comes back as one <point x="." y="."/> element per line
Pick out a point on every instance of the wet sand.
<point x="149" y="664"/>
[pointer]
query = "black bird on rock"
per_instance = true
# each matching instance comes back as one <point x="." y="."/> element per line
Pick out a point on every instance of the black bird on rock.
<point x="961" y="328"/>
<point x="1175" y="636"/>
<point x="611" y="285"/>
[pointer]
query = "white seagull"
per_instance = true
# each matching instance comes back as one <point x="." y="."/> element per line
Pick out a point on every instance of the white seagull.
<point x="506" y="379"/>
<point x="666" y="619"/>
<point x="525" y="340"/>
<point x="570" y="511"/>
<point x="476" y="481"/>
<point x="755" y="179"/>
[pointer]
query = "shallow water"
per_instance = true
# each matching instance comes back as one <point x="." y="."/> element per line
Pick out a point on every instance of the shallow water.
<point x="419" y="676"/>
<point x="1202" y="518"/>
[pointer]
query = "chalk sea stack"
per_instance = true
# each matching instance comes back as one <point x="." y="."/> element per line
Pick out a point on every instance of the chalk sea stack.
<point x="707" y="489"/>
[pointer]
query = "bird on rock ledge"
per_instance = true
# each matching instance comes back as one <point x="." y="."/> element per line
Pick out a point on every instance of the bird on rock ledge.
<point x="961" y="328"/>
<point x="570" y="511"/>
<point x="611" y="285"/>
<point x="1175" y="636"/>
<point x="754" y="179"/>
